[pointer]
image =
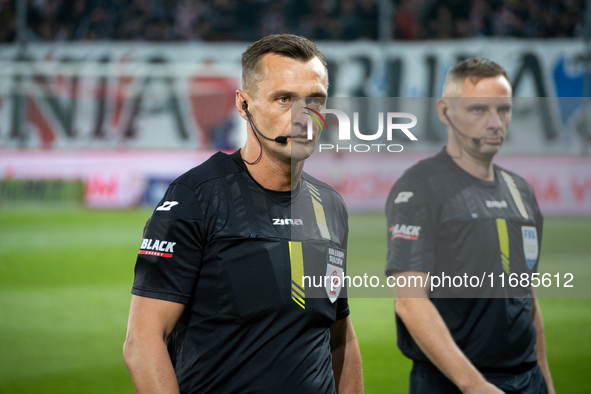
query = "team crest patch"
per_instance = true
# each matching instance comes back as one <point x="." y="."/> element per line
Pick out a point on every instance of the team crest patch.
<point x="335" y="268"/>
<point x="530" y="245"/>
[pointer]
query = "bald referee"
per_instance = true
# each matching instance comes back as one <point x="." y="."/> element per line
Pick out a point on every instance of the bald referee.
<point x="470" y="216"/>
<point x="219" y="304"/>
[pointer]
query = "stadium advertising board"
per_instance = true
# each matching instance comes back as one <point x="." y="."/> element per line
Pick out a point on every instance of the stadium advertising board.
<point x="111" y="178"/>
<point x="562" y="183"/>
<point x="127" y="178"/>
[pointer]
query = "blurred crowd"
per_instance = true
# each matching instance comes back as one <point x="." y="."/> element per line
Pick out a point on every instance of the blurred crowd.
<point x="446" y="19"/>
<point x="248" y="20"/>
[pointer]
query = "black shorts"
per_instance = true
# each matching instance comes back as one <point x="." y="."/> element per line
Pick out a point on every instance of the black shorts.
<point x="426" y="379"/>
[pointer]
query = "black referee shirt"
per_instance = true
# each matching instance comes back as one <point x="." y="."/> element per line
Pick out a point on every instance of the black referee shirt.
<point x="442" y="220"/>
<point x="234" y="253"/>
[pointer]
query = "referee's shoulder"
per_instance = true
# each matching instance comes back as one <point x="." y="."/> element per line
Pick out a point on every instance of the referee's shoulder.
<point x="217" y="166"/>
<point x="520" y="182"/>
<point x="514" y="175"/>
<point x="428" y="168"/>
<point x="421" y="183"/>
<point x="321" y="185"/>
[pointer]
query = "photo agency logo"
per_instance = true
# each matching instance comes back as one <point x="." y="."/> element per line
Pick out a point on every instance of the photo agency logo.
<point x="391" y="119"/>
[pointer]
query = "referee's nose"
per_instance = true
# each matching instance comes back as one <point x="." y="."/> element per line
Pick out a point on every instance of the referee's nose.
<point x="494" y="121"/>
<point x="299" y="120"/>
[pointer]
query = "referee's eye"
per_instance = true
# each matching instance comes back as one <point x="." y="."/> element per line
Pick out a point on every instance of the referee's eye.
<point x="316" y="101"/>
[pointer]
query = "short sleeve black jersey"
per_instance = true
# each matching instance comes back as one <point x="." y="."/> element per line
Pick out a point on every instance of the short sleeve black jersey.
<point x="237" y="255"/>
<point x="443" y="221"/>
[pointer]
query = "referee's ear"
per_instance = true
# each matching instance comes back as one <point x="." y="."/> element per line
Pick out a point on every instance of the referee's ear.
<point x="241" y="98"/>
<point x="442" y="107"/>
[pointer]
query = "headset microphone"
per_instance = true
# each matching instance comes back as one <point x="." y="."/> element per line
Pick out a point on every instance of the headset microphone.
<point x="474" y="139"/>
<point x="281" y="139"/>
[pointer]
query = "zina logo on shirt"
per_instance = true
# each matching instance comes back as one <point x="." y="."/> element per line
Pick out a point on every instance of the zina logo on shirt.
<point x="287" y="222"/>
<point x="155" y="247"/>
<point x="405" y="232"/>
<point x="496" y="204"/>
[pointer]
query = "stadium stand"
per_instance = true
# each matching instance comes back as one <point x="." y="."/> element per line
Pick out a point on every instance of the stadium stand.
<point x="228" y="20"/>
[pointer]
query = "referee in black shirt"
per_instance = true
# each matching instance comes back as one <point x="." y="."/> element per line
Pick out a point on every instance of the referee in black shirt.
<point x="219" y="301"/>
<point x="468" y="216"/>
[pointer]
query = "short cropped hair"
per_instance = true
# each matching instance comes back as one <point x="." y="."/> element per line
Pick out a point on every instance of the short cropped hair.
<point x="474" y="68"/>
<point x="289" y="45"/>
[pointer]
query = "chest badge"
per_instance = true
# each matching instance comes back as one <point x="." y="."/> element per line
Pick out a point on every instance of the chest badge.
<point x="530" y="245"/>
<point x="335" y="272"/>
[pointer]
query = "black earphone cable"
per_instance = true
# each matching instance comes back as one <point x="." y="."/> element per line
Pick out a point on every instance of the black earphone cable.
<point x="255" y="134"/>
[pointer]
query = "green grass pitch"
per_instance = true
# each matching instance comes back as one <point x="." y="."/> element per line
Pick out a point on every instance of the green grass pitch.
<point x="65" y="278"/>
